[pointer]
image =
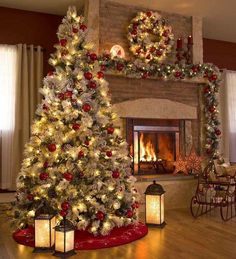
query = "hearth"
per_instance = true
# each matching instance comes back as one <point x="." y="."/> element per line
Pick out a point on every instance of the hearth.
<point x="154" y="145"/>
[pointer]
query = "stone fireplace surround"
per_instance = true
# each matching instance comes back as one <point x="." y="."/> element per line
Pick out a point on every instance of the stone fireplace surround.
<point x="155" y="99"/>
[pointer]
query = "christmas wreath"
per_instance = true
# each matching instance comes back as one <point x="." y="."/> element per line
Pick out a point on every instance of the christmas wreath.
<point x="150" y="37"/>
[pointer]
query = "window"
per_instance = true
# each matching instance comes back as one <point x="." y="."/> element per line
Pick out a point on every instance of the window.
<point x="231" y="100"/>
<point x="7" y="86"/>
<point x="8" y="60"/>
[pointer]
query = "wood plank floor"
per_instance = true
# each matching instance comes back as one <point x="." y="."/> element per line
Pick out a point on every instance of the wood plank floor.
<point x="183" y="237"/>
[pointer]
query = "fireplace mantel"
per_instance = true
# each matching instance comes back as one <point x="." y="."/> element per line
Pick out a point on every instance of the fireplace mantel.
<point x="155" y="108"/>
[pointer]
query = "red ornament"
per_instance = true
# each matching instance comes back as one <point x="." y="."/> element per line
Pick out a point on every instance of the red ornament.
<point x="43" y="176"/>
<point x="30" y="197"/>
<point x="145" y="75"/>
<point x="159" y="52"/>
<point x="86" y="142"/>
<point x="100" y="74"/>
<point x="60" y="96"/>
<point x="149" y="14"/>
<point x="102" y="67"/>
<point x="109" y="153"/>
<point x="45" y="165"/>
<point x="83" y="27"/>
<point x="88" y="75"/>
<point x="52" y="147"/>
<point x="63" y="213"/>
<point x="68" y="176"/>
<point x="86" y="107"/>
<point x="152" y="49"/>
<point x="65" y="205"/>
<point x="100" y="215"/>
<point x="178" y="74"/>
<point x="75" y="30"/>
<point x="81" y="154"/>
<point x="165" y="33"/>
<point x="116" y="174"/>
<point x="195" y="69"/>
<point x="110" y="130"/>
<point x="119" y="66"/>
<point x="211" y="109"/>
<point x="206" y="90"/>
<point x="93" y="56"/>
<point x="92" y="85"/>
<point x="208" y="151"/>
<point x="50" y="73"/>
<point x="213" y="78"/>
<point x="129" y="213"/>
<point x="68" y="94"/>
<point x="135" y="26"/>
<point x="63" y="42"/>
<point x="218" y="132"/>
<point x="76" y="126"/>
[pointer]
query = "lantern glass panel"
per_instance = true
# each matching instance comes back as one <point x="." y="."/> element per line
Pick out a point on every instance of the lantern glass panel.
<point x="64" y="241"/>
<point x="154" y="209"/>
<point x="162" y="208"/>
<point x="44" y="231"/>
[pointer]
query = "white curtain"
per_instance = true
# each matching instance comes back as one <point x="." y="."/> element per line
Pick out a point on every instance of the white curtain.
<point x="231" y="112"/>
<point x="8" y="59"/>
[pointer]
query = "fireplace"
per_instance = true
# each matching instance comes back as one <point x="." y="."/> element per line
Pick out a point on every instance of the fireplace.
<point x="154" y="145"/>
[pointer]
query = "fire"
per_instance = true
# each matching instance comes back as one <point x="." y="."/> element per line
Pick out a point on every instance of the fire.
<point x="147" y="150"/>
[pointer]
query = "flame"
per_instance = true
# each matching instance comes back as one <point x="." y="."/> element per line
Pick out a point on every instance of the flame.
<point x="147" y="151"/>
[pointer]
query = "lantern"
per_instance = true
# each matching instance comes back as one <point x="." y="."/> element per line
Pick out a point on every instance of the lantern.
<point x="154" y="211"/>
<point x="44" y="224"/>
<point x="64" y="239"/>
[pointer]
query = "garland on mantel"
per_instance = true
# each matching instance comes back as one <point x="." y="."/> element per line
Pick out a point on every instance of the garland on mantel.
<point x="152" y="70"/>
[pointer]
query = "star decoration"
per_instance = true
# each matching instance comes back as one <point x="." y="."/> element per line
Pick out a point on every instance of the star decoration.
<point x="180" y="165"/>
<point x="194" y="161"/>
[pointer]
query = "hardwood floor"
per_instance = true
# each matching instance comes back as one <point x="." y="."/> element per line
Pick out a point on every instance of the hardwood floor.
<point x="183" y="237"/>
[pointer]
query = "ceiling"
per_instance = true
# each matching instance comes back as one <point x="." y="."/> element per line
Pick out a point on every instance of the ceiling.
<point x="219" y="16"/>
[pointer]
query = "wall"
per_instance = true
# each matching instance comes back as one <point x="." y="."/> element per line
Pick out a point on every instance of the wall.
<point x="221" y="53"/>
<point x="115" y="18"/>
<point x="19" y="26"/>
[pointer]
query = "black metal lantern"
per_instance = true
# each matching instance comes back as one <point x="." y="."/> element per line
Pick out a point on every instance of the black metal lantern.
<point x="154" y="207"/>
<point x="44" y="225"/>
<point x="64" y="239"/>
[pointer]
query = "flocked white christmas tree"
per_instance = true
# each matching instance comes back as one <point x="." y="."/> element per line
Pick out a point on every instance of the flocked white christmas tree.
<point x="76" y="161"/>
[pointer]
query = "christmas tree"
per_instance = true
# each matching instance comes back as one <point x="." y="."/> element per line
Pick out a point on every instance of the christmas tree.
<point x="76" y="161"/>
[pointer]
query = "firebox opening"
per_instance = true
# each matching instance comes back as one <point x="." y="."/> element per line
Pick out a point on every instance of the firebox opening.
<point x="154" y="148"/>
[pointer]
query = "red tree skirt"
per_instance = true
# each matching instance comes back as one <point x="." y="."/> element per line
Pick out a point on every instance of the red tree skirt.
<point x="86" y="241"/>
